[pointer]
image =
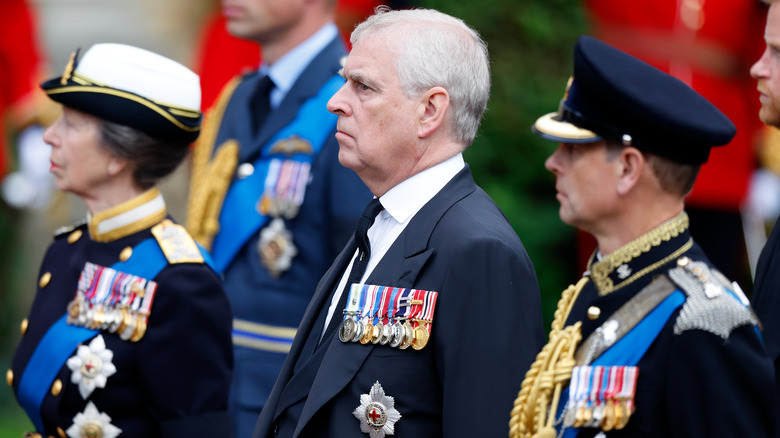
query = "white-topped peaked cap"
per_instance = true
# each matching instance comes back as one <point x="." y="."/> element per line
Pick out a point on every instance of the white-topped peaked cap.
<point x="133" y="87"/>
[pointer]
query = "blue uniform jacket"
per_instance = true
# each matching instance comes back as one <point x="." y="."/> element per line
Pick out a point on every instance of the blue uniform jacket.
<point x="693" y="383"/>
<point x="173" y="381"/>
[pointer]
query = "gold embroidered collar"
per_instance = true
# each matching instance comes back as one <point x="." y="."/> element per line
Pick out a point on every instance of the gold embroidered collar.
<point x="616" y="271"/>
<point x="139" y="213"/>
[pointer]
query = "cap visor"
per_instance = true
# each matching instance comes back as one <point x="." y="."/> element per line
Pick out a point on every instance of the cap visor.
<point x="550" y="127"/>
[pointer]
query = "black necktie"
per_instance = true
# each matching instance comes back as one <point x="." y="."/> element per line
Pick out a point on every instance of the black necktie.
<point x="361" y="261"/>
<point x="260" y="105"/>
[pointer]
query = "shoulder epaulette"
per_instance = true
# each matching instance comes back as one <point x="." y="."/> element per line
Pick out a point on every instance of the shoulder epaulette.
<point x="712" y="304"/>
<point x="66" y="229"/>
<point x="177" y="245"/>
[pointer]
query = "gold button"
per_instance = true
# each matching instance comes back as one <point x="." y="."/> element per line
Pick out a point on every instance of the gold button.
<point x="593" y="312"/>
<point x="61" y="433"/>
<point x="45" y="279"/>
<point x="56" y="387"/>
<point x="74" y="236"/>
<point x="23" y="326"/>
<point x="125" y="254"/>
<point x="9" y="377"/>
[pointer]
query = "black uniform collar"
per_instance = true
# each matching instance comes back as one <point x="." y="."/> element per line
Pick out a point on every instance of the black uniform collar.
<point x="129" y="217"/>
<point x="641" y="256"/>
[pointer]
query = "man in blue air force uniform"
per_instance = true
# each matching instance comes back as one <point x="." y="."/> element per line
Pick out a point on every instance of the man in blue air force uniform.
<point x="652" y="341"/>
<point x="268" y="197"/>
<point x="431" y="309"/>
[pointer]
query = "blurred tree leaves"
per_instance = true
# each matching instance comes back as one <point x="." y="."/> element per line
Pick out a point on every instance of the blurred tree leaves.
<point x="530" y="44"/>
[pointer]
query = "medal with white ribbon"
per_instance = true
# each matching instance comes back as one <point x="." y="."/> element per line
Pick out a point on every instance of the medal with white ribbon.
<point x="377" y="413"/>
<point x="348" y="326"/>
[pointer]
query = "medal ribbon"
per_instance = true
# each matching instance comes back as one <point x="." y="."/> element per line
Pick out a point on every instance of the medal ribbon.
<point x="368" y="302"/>
<point x="416" y="305"/>
<point x="428" y="308"/>
<point x="377" y="299"/>
<point x="353" y="302"/>
<point x="403" y="305"/>
<point x="301" y="181"/>
<point x="391" y="305"/>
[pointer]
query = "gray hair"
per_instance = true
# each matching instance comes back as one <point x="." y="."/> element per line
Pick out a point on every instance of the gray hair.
<point x="436" y="49"/>
<point x="154" y="159"/>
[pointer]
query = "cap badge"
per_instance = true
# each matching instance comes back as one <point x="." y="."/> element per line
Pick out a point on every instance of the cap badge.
<point x="66" y="74"/>
<point x="376" y="413"/>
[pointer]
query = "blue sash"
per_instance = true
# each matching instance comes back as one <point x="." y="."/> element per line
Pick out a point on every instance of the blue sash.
<point x="59" y="342"/>
<point x="633" y="345"/>
<point x="239" y="218"/>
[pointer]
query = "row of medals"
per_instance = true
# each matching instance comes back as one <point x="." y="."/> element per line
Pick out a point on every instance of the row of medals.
<point x="127" y="323"/>
<point x="400" y="334"/>
<point x="612" y="414"/>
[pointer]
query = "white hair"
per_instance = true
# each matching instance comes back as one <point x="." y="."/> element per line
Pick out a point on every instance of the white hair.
<point x="436" y="49"/>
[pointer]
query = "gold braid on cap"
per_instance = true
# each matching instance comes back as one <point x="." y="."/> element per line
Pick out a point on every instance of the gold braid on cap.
<point x="68" y="72"/>
<point x="536" y="404"/>
<point x="210" y="178"/>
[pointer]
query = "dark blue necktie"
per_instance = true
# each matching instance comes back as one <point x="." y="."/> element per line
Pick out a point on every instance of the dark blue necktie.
<point x="260" y="104"/>
<point x="359" y="266"/>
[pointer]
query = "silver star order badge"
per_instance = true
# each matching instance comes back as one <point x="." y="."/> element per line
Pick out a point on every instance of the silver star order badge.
<point x="91" y="366"/>
<point x="92" y="423"/>
<point x="377" y="413"/>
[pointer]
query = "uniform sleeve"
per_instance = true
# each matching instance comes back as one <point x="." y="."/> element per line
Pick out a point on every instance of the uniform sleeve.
<point x="185" y="358"/>
<point x="488" y="333"/>
<point x="720" y="387"/>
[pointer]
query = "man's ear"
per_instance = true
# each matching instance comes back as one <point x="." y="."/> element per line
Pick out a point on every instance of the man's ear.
<point x="431" y="110"/>
<point x="631" y="165"/>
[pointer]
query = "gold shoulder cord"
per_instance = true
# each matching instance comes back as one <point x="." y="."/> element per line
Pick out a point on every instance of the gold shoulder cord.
<point x="534" y="410"/>
<point x="210" y="179"/>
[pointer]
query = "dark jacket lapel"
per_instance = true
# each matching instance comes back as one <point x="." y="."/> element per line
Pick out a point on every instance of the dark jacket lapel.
<point x="343" y="360"/>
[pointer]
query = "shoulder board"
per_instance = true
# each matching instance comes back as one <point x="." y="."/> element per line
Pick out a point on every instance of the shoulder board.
<point x="177" y="245"/>
<point x="61" y="231"/>
<point x="712" y="304"/>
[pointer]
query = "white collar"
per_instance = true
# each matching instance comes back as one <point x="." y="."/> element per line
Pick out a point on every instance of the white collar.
<point x="139" y="213"/>
<point x="407" y="198"/>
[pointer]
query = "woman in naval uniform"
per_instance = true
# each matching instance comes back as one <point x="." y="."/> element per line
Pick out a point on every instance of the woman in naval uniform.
<point x="129" y="332"/>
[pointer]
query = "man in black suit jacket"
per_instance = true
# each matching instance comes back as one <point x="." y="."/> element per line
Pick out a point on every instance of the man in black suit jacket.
<point x="417" y="83"/>
<point x="766" y="290"/>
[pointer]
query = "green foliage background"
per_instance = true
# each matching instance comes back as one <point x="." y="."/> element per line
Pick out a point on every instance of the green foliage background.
<point x="530" y="44"/>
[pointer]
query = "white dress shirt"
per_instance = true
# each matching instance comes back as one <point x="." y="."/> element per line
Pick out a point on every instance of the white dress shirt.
<point x="400" y="204"/>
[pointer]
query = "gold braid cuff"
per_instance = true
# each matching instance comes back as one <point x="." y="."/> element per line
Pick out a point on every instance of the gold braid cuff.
<point x="533" y="413"/>
<point x="210" y="178"/>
